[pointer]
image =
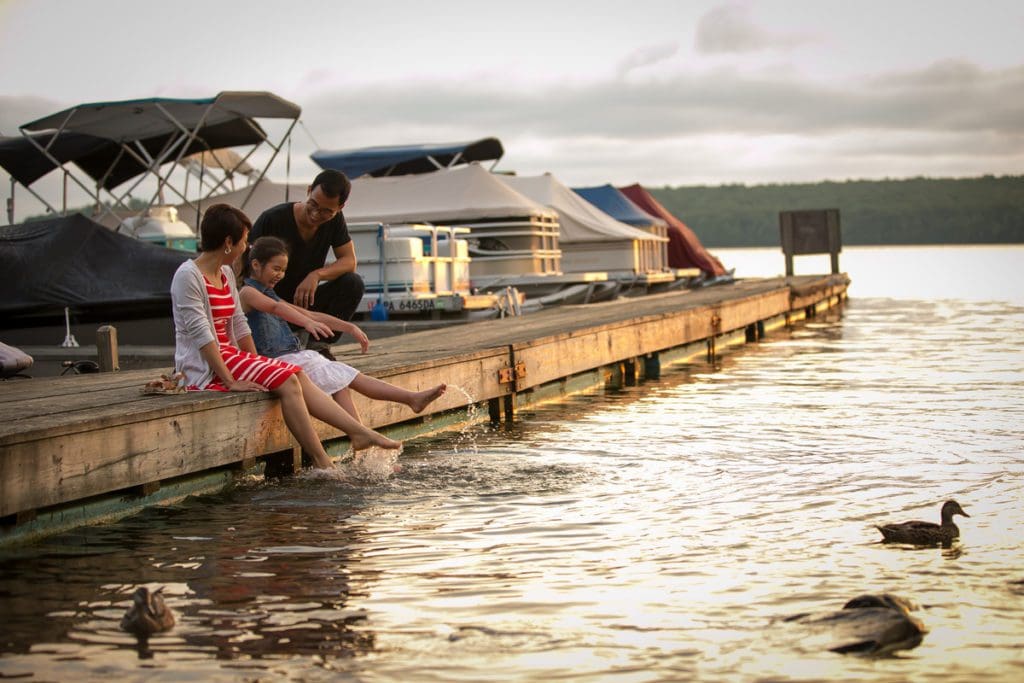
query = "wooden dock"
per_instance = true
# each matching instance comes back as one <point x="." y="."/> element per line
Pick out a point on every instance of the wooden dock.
<point x="74" y="450"/>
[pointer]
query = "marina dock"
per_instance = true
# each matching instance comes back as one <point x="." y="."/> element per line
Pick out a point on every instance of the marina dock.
<point x="82" y="449"/>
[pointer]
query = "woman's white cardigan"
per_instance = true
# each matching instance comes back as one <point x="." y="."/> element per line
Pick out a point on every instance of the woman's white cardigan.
<point x="193" y="322"/>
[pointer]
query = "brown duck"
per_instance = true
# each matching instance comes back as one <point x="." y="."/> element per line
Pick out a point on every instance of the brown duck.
<point x="925" y="533"/>
<point x="148" y="613"/>
<point x="874" y="625"/>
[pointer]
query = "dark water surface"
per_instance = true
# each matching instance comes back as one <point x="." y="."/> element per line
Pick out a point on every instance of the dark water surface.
<point x="651" y="533"/>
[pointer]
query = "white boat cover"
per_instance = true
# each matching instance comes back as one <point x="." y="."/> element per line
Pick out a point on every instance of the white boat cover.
<point x="460" y="194"/>
<point x="580" y="220"/>
<point x="253" y="199"/>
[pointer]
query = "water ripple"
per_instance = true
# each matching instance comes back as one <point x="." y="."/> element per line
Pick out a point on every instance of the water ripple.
<point x="648" y="533"/>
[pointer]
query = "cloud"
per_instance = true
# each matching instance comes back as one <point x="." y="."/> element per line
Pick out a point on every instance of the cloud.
<point x="729" y="29"/>
<point x="693" y="127"/>
<point x="683" y="105"/>
<point x="714" y="126"/>
<point x="646" y="56"/>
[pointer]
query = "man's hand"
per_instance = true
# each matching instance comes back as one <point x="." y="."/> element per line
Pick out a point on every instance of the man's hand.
<point x="306" y="290"/>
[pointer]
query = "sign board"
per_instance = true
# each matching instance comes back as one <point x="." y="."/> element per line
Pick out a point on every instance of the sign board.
<point x="810" y="232"/>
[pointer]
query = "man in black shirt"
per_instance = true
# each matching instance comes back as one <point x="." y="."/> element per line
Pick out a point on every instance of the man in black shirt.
<point x="310" y="228"/>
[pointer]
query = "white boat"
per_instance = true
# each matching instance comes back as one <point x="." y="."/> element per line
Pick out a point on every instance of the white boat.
<point x="512" y="240"/>
<point x="591" y="240"/>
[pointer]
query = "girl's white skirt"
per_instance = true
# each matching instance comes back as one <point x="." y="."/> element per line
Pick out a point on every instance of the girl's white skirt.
<point x="330" y="375"/>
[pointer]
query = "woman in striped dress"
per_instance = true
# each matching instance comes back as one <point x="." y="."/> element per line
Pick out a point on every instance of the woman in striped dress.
<point x="214" y="347"/>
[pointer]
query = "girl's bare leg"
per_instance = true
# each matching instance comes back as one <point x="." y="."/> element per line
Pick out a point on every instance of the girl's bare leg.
<point x="323" y="407"/>
<point x="343" y="397"/>
<point x="296" y="417"/>
<point x="371" y="387"/>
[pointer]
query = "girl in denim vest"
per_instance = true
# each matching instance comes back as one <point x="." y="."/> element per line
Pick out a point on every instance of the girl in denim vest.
<point x="269" y="315"/>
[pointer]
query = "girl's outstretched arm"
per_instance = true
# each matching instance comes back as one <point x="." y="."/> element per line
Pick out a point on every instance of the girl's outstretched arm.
<point x="337" y="325"/>
<point x="254" y="300"/>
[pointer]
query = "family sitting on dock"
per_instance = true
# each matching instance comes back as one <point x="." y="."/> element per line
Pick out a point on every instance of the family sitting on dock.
<point x="216" y="349"/>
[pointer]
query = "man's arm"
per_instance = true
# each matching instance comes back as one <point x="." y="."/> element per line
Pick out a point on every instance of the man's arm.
<point x="345" y="263"/>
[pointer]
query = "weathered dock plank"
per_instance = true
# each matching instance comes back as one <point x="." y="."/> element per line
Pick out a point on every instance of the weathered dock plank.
<point x="72" y="438"/>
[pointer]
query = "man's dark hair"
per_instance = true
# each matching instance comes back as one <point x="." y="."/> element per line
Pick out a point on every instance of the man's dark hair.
<point x="334" y="184"/>
<point x="220" y="222"/>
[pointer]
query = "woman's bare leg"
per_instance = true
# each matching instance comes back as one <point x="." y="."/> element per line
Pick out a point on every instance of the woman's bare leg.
<point x="371" y="387"/>
<point x="323" y="407"/>
<point x="296" y="417"/>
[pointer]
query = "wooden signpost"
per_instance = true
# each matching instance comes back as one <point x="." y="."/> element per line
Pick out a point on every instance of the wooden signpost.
<point x="810" y="232"/>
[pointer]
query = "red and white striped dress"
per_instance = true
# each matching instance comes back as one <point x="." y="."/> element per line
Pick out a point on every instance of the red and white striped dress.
<point x="266" y="372"/>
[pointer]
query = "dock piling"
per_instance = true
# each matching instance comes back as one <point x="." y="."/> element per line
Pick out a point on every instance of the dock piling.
<point x="106" y="349"/>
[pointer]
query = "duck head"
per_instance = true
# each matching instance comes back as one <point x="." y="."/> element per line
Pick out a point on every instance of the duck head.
<point x="950" y="508"/>
<point x="148" y="613"/>
<point x="882" y="600"/>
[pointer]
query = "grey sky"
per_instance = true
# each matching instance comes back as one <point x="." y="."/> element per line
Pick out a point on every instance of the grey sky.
<point x="652" y="91"/>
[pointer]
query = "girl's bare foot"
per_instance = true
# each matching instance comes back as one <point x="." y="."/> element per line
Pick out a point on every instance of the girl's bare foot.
<point x="371" y="438"/>
<point x="422" y="399"/>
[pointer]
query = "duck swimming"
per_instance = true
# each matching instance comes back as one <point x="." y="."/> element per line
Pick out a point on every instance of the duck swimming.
<point x="148" y="613"/>
<point x="925" y="533"/>
<point x="870" y="625"/>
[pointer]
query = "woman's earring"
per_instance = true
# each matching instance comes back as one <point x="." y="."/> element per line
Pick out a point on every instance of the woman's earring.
<point x="227" y="250"/>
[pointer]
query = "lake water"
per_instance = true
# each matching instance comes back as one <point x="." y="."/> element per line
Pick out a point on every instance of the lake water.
<point x="654" y="533"/>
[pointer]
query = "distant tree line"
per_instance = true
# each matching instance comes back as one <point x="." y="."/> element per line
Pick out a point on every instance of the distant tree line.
<point x="985" y="210"/>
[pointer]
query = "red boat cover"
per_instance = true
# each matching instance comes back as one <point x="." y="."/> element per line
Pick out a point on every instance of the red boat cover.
<point x="684" y="247"/>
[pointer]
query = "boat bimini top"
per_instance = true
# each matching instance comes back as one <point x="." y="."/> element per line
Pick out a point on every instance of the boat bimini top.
<point x="114" y="142"/>
<point x="408" y="159"/>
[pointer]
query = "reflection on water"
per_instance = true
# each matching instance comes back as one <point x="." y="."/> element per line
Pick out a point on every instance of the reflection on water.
<point x="651" y="533"/>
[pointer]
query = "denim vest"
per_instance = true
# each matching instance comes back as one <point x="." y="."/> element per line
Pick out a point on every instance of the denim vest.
<point x="270" y="334"/>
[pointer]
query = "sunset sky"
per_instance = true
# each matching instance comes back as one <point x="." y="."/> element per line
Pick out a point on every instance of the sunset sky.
<point x="660" y="92"/>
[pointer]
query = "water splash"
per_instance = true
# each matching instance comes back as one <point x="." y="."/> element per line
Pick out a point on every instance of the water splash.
<point x="465" y="435"/>
<point x="370" y="466"/>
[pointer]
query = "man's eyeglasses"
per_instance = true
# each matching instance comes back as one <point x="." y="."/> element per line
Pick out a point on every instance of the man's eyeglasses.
<point x="321" y="211"/>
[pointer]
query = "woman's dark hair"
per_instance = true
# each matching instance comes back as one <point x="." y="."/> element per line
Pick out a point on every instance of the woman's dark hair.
<point x="220" y="222"/>
<point x="262" y="250"/>
<point x="334" y="184"/>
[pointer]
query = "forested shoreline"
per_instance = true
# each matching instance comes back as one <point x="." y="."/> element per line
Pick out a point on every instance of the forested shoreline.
<point x="985" y="210"/>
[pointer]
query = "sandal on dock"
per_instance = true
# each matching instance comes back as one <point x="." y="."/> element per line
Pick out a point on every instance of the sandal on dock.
<point x="173" y="384"/>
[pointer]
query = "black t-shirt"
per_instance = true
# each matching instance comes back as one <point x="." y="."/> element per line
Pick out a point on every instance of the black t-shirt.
<point x="303" y="257"/>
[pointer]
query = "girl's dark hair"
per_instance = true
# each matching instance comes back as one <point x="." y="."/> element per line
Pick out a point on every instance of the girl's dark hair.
<point x="262" y="250"/>
<point x="220" y="222"/>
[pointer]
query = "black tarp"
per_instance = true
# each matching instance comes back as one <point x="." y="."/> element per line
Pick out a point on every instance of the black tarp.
<point x="75" y="262"/>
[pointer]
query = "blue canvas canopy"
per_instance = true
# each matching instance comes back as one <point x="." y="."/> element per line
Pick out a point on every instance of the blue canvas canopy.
<point x="407" y="159"/>
<point x="617" y="205"/>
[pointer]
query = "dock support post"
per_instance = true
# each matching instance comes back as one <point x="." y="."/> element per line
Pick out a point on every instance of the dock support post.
<point x="629" y="372"/>
<point x="106" y="349"/>
<point x="494" y="410"/>
<point x="283" y="463"/>
<point x="652" y="366"/>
